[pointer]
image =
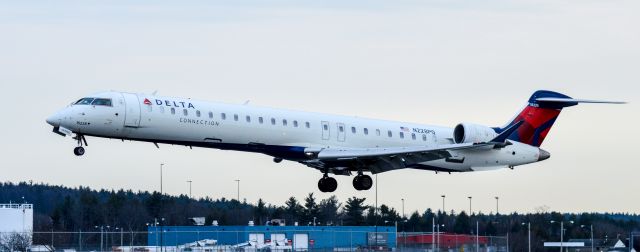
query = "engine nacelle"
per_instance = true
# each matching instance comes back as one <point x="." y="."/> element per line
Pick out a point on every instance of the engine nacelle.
<point x="473" y="133"/>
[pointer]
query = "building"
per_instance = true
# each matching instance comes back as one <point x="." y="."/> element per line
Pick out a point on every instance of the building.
<point x="299" y="237"/>
<point x="16" y="218"/>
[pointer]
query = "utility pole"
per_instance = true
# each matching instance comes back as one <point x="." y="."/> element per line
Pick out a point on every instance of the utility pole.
<point x="469" y="205"/>
<point x="497" y="198"/>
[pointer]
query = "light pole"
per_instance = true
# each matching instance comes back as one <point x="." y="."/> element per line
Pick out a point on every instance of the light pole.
<point x="237" y="180"/>
<point x="403" y="216"/>
<point x="101" y="231"/>
<point x="443" y="210"/>
<point x="497" y="199"/>
<point x="189" y="181"/>
<point x="591" y="227"/>
<point x="561" y="233"/>
<point x="528" y="233"/>
<point x="469" y="205"/>
<point x="161" y="192"/>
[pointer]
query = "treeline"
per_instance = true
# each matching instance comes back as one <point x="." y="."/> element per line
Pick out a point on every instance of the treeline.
<point x="73" y="209"/>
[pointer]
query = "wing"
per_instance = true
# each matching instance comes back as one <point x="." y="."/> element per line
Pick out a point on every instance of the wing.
<point x="376" y="160"/>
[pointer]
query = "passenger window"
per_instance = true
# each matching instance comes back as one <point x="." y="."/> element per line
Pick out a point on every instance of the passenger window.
<point x="295" y="123"/>
<point x="273" y="121"/>
<point x="235" y="117"/>
<point x="284" y="122"/>
<point x="198" y="113"/>
<point x="413" y="136"/>
<point x="366" y="131"/>
<point x="173" y="111"/>
<point x="260" y="120"/>
<point x="185" y="112"/>
<point x="102" y="102"/>
<point x="341" y="128"/>
<point x="210" y="114"/>
<point x="223" y="116"/>
<point x="401" y="134"/>
<point x="353" y="130"/>
<point x="248" y="119"/>
<point x="325" y="127"/>
<point x="377" y="132"/>
<point x="424" y="137"/>
<point x="162" y="109"/>
<point x="307" y="124"/>
<point x="389" y="133"/>
<point x="84" y="101"/>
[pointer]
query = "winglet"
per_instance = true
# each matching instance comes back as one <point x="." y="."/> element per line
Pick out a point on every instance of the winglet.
<point x="504" y="135"/>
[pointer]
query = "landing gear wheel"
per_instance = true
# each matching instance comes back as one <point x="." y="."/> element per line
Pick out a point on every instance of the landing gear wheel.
<point x="362" y="182"/>
<point x="79" y="151"/>
<point x="327" y="184"/>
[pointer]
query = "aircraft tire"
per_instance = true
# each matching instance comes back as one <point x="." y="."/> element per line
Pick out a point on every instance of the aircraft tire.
<point x="327" y="184"/>
<point x="356" y="183"/>
<point x="365" y="182"/>
<point x="322" y="185"/>
<point x="362" y="182"/>
<point x="79" y="151"/>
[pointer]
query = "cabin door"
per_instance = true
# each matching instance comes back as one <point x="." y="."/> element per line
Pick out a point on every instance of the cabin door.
<point x="132" y="108"/>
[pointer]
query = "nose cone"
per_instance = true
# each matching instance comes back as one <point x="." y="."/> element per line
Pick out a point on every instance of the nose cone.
<point x="54" y="120"/>
<point x="543" y="155"/>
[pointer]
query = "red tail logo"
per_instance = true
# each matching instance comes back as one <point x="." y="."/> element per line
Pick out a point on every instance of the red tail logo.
<point x="147" y="101"/>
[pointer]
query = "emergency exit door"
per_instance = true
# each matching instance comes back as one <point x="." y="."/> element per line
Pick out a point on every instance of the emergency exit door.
<point x="325" y="130"/>
<point x="341" y="132"/>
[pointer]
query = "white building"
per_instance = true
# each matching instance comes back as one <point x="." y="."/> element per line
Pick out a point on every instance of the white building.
<point x="16" y="218"/>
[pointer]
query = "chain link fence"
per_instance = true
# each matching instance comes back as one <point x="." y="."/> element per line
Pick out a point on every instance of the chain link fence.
<point x="280" y="240"/>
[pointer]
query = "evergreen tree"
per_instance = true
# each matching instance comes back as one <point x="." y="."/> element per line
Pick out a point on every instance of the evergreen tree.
<point x="328" y="210"/>
<point x="311" y="209"/>
<point x="354" y="211"/>
<point x="462" y="225"/>
<point x="293" y="210"/>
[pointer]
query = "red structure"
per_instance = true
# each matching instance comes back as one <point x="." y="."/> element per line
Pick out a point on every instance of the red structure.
<point x="446" y="239"/>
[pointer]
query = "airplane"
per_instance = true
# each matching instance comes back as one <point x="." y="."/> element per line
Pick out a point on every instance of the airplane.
<point x="332" y="144"/>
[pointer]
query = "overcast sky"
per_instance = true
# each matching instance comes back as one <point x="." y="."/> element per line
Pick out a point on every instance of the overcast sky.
<point x="436" y="62"/>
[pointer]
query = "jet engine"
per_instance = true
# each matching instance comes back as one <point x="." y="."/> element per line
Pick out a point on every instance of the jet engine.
<point x="473" y="133"/>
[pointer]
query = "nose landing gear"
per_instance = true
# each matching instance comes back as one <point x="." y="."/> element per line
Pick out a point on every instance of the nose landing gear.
<point x="362" y="182"/>
<point x="79" y="151"/>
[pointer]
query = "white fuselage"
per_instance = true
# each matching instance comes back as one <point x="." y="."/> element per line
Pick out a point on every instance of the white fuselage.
<point x="277" y="132"/>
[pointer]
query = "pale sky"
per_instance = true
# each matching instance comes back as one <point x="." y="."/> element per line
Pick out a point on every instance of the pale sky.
<point x="436" y="62"/>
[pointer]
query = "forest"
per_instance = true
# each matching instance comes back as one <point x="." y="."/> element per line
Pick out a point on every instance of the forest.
<point x="61" y="208"/>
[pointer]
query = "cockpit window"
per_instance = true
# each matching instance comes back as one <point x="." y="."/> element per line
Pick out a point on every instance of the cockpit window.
<point x="84" y="101"/>
<point x="101" y="102"/>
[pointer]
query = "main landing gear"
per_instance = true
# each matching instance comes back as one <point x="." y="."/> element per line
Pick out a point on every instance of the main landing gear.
<point x="362" y="182"/>
<point x="327" y="184"/>
<point x="79" y="151"/>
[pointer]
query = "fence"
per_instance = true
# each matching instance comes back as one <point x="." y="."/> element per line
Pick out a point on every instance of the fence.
<point x="167" y="240"/>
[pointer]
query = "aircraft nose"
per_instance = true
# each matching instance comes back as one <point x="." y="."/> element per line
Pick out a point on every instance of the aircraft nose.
<point x="543" y="155"/>
<point x="54" y="120"/>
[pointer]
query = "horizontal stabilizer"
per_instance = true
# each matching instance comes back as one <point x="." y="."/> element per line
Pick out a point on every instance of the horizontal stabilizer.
<point x="571" y="100"/>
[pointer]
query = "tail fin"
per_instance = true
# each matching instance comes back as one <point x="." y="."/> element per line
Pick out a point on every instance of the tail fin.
<point x="539" y="115"/>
